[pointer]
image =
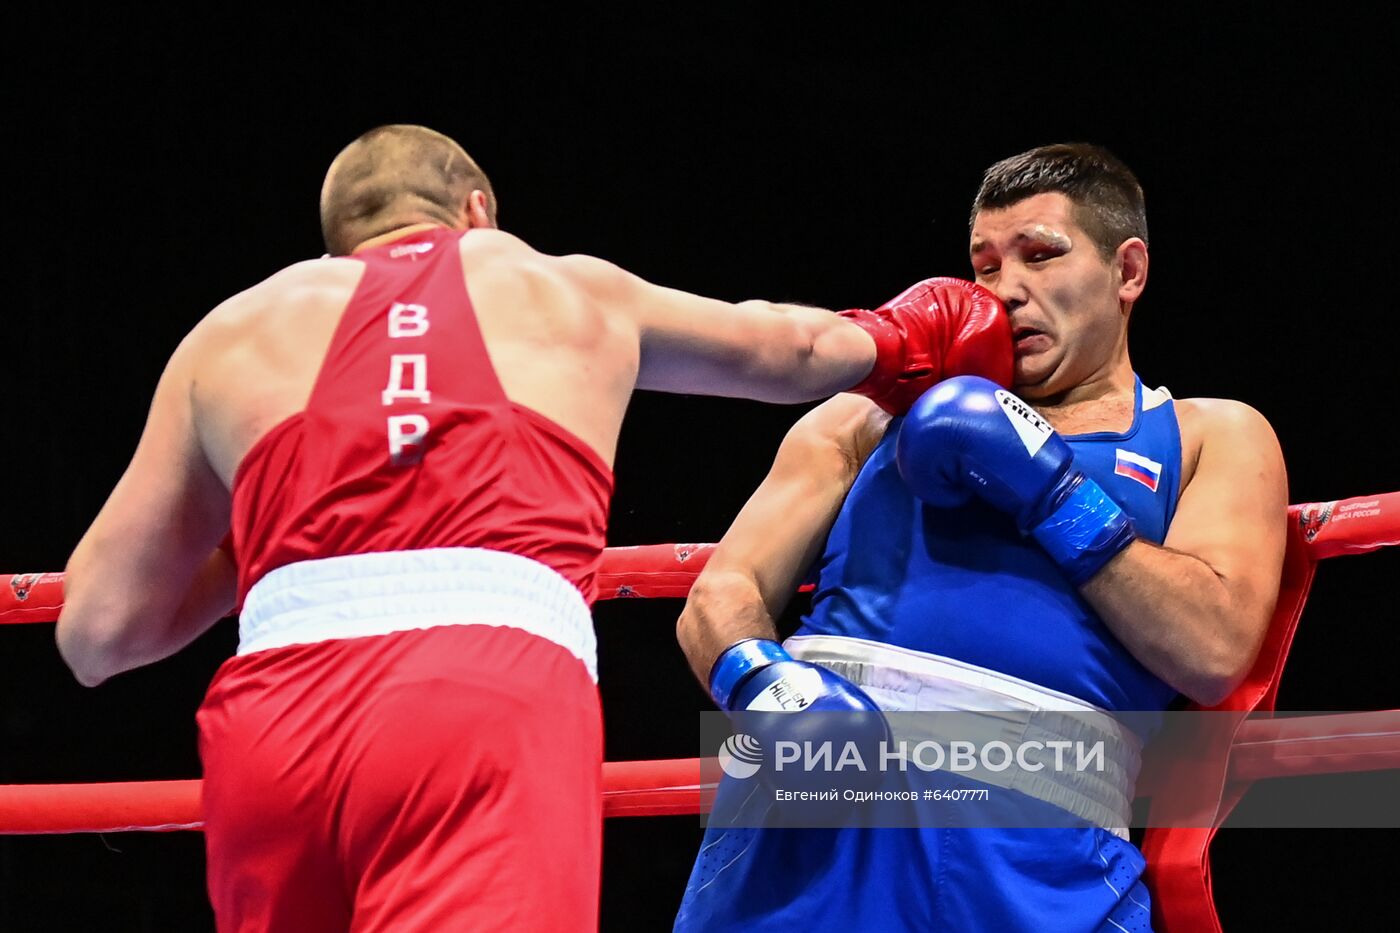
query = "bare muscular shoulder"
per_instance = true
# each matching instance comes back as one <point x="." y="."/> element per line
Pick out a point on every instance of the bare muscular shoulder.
<point x="556" y="341"/>
<point x="254" y="358"/>
<point x="564" y="294"/>
<point x="284" y="303"/>
<point x="1218" y="422"/>
<point x="1231" y="512"/>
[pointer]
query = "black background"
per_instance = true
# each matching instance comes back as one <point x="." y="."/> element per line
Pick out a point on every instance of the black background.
<point x="816" y="153"/>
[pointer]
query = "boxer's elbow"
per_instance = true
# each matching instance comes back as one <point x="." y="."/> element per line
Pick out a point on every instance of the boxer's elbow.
<point x="1210" y="688"/>
<point x="88" y="633"/>
<point x="89" y="649"/>
<point x="96" y="642"/>
<point x="1219" y="666"/>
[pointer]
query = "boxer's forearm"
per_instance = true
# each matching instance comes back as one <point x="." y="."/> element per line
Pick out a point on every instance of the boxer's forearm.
<point x="769" y="352"/>
<point x="211" y="597"/>
<point x="722" y="608"/>
<point x="779" y="532"/>
<point x="828" y="354"/>
<point x="1179" y="618"/>
<point x="99" y="641"/>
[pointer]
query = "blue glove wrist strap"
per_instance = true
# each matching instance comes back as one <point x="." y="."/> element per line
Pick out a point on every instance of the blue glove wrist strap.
<point x="737" y="662"/>
<point x="1085" y="532"/>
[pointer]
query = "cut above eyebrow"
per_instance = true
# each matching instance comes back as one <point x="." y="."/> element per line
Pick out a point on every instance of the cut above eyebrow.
<point x="1046" y="235"/>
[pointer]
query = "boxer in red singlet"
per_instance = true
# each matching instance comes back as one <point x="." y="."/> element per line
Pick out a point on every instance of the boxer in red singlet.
<point x="412" y="442"/>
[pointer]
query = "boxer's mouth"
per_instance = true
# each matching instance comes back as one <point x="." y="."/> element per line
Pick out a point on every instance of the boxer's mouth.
<point x="1029" y="339"/>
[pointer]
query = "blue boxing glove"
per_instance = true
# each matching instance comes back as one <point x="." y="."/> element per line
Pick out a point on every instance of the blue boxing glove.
<point x="759" y="675"/>
<point x="783" y="699"/>
<point x="968" y="437"/>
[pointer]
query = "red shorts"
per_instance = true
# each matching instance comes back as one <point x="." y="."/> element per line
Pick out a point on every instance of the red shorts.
<point x="447" y="778"/>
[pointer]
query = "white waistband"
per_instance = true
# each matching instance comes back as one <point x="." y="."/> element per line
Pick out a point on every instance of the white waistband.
<point x="994" y="706"/>
<point x="940" y="683"/>
<point x="358" y="595"/>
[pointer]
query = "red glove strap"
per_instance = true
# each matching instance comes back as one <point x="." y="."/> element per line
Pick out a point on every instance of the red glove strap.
<point x="934" y="329"/>
<point x="889" y="356"/>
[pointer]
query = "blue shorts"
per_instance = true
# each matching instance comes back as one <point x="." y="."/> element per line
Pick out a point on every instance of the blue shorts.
<point x="1079" y="879"/>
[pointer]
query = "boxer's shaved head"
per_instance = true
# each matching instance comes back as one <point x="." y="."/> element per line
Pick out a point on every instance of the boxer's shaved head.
<point x="1108" y="202"/>
<point x="393" y="176"/>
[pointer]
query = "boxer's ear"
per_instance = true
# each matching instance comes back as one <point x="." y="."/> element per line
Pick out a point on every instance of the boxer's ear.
<point x="1130" y="260"/>
<point x="478" y="210"/>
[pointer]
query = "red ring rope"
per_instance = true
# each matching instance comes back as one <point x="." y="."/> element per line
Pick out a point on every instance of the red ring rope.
<point x="1264" y="748"/>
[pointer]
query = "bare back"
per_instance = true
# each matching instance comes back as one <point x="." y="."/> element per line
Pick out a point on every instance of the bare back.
<point x="568" y="339"/>
<point x="555" y="350"/>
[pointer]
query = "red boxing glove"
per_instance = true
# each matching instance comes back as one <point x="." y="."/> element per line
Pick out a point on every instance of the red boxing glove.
<point x="939" y="328"/>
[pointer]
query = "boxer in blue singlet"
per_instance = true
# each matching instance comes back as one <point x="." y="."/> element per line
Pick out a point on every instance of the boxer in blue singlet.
<point x="1102" y="548"/>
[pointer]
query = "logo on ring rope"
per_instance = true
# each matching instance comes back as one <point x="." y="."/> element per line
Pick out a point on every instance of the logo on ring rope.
<point x="741" y="756"/>
<point x="22" y="583"/>
<point x="1313" y="516"/>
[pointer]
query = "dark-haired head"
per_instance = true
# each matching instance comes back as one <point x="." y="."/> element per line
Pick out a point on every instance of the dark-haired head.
<point x="1106" y="195"/>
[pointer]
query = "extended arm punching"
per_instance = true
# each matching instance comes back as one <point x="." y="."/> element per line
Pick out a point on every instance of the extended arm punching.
<point x="790" y="353"/>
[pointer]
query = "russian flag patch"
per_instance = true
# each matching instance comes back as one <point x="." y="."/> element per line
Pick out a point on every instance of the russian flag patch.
<point x="1136" y="466"/>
